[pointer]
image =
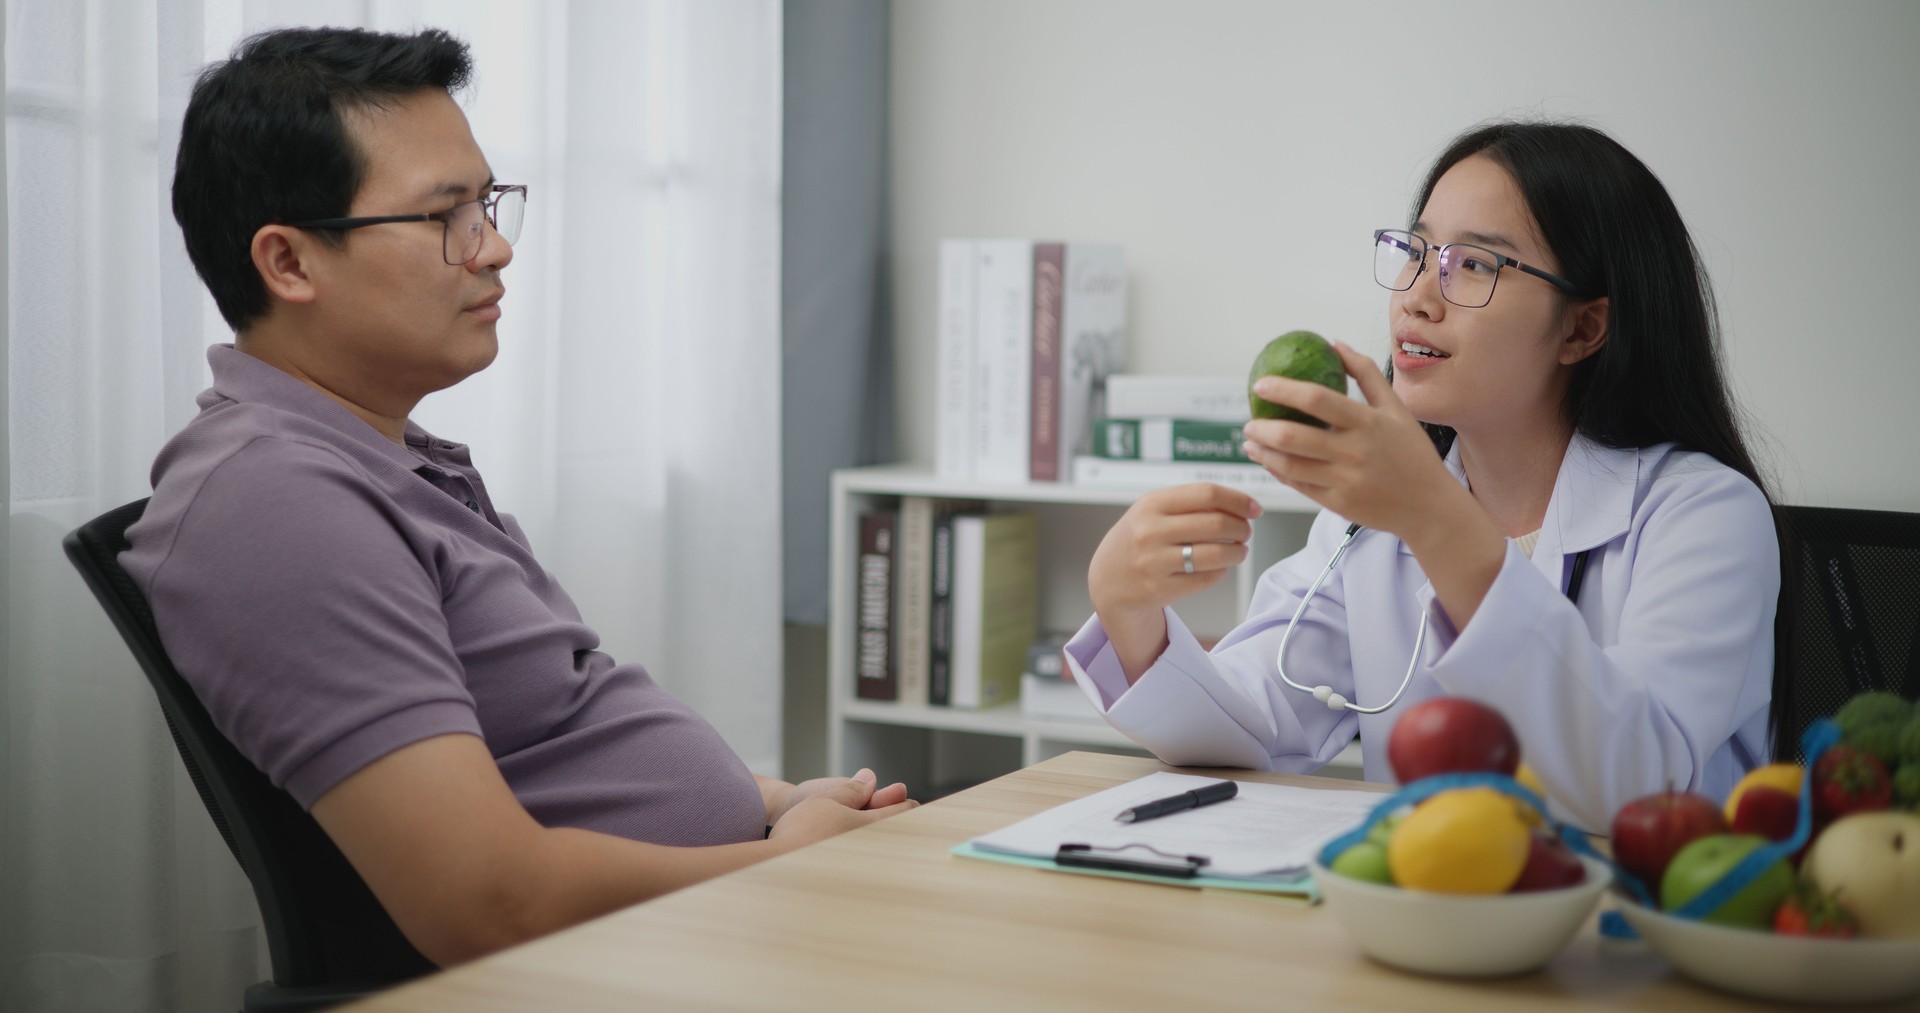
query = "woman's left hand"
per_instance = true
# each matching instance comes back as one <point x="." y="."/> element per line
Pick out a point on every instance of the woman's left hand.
<point x="1375" y="466"/>
<point x="796" y="794"/>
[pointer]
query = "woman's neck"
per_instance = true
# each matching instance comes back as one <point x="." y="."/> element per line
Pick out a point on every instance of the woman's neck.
<point x="1511" y="473"/>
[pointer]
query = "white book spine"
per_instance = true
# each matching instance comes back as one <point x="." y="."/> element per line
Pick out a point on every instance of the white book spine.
<point x="969" y="579"/>
<point x="1208" y="398"/>
<point x="1003" y="367"/>
<point x="1099" y="471"/>
<point x="1093" y="341"/>
<point x="954" y="370"/>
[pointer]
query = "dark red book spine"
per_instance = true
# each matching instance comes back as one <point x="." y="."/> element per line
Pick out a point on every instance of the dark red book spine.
<point x="1049" y="263"/>
<point x="873" y="650"/>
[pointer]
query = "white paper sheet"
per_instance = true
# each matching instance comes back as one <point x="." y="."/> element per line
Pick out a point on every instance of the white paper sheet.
<point x="1267" y="831"/>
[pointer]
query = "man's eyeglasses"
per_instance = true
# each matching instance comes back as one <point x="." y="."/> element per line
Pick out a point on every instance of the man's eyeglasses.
<point x="504" y="207"/>
<point x="1468" y="273"/>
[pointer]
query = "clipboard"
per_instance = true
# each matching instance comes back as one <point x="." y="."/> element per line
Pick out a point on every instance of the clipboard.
<point x="1260" y="841"/>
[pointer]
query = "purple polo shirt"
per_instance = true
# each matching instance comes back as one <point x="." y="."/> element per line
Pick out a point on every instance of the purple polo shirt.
<point x="333" y="596"/>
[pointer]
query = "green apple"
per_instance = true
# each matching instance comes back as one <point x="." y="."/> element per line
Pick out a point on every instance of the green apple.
<point x="1870" y="862"/>
<point x="1366" y="861"/>
<point x="1382" y="831"/>
<point x="1702" y="863"/>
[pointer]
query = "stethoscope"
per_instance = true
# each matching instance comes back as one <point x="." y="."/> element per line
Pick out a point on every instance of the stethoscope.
<point x="1335" y="701"/>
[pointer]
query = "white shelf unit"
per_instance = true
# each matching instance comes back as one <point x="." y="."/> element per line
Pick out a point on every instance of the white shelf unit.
<point x="930" y="747"/>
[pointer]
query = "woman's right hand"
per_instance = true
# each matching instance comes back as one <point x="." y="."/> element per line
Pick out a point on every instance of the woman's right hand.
<point x="1139" y="568"/>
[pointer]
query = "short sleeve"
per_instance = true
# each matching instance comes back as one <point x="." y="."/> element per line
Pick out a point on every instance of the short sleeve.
<point x="306" y="613"/>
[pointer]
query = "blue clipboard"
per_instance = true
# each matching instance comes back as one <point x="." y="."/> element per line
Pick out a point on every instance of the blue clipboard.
<point x="1302" y="890"/>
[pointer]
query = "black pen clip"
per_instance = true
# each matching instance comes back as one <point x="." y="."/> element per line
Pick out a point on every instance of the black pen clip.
<point x="1171" y="866"/>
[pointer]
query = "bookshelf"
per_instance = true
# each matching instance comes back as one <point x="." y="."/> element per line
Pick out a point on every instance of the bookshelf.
<point x="935" y="747"/>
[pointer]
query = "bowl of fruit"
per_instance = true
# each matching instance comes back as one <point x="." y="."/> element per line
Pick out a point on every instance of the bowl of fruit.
<point x="1460" y="873"/>
<point x="1804" y="885"/>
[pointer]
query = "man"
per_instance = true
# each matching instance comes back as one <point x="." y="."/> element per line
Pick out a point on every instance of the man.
<point x="335" y="582"/>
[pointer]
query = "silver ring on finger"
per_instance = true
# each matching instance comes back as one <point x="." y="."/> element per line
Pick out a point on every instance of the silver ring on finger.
<point x="1186" y="558"/>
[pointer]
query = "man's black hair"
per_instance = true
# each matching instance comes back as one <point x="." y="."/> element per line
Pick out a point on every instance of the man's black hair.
<point x="264" y="140"/>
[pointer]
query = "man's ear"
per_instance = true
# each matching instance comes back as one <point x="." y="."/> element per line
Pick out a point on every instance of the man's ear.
<point x="282" y="255"/>
<point x="1591" y="322"/>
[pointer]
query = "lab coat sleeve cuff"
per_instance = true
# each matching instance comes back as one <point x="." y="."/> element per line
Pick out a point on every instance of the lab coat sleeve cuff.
<point x="1467" y="662"/>
<point x="1095" y="666"/>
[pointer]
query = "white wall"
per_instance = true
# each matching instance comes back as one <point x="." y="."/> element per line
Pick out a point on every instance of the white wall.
<point x="1243" y="151"/>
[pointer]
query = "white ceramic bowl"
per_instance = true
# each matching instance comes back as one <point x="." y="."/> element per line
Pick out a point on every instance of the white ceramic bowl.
<point x="1461" y="935"/>
<point x="1782" y="968"/>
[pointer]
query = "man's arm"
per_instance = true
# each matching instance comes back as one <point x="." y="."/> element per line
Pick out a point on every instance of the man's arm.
<point x="464" y="869"/>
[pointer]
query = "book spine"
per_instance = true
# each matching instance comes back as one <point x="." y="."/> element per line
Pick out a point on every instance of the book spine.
<point x="1093" y="341"/>
<point x="873" y="658"/>
<point x="968" y="598"/>
<point x="994" y="568"/>
<point x="1097" y="471"/>
<point x="1043" y="451"/>
<point x="940" y="614"/>
<point x="914" y="549"/>
<point x="1206" y="398"/>
<point x="1003" y="358"/>
<point x="1169" y="440"/>
<point x="954" y="368"/>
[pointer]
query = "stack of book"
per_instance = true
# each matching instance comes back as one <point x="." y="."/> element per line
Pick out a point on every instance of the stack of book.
<point x="948" y="602"/>
<point x="1028" y="332"/>
<point x="1169" y="430"/>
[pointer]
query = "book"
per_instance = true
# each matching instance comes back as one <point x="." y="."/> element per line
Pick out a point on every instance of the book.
<point x="1168" y="440"/>
<point x="1043" y="450"/>
<point x="995" y="605"/>
<point x="940" y="613"/>
<point x="1208" y="398"/>
<point x="1098" y="471"/>
<point x="1093" y="344"/>
<point x="954" y="367"/>
<point x="1003" y="359"/>
<point x="873" y="651"/>
<point x="913" y="598"/>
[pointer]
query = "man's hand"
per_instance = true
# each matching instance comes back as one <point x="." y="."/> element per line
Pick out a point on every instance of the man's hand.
<point x="842" y="804"/>
<point x="782" y="797"/>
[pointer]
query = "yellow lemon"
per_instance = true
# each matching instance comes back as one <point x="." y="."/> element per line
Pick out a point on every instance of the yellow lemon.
<point x="1784" y="776"/>
<point x="1470" y="840"/>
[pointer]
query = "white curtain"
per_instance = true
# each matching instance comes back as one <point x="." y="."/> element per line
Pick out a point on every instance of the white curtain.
<point x="631" y="420"/>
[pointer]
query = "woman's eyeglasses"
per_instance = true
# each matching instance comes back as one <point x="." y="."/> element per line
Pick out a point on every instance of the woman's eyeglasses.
<point x="1468" y="273"/>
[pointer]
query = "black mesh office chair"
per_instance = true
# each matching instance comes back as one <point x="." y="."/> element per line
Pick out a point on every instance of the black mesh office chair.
<point x="1849" y="617"/>
<point x="329" y="939"/>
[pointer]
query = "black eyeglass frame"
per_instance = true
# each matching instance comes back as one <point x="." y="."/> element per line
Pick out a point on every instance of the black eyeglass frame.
<point x="1499" y="259"/>
<point x="488" y="209"/>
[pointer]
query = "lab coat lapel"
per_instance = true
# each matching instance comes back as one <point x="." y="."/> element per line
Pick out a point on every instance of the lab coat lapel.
<point x="1592" y="504"/>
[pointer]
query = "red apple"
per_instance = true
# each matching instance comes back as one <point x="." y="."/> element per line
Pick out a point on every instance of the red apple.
<point x="1449" y="735"/>
<point x="1649" y="831"/>
<point x="1550" y="866"/>
<point x="1766" y="811"/>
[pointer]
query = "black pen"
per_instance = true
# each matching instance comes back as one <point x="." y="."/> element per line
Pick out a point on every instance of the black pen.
<point x="1219" y="791"/>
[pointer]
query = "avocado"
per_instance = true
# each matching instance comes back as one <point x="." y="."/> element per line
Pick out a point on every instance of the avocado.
<point x="1297" y="355"/>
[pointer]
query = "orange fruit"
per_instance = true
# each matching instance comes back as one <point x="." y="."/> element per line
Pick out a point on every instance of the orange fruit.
<point x="1784" y="776"/>
<point x="1469" y="840"/>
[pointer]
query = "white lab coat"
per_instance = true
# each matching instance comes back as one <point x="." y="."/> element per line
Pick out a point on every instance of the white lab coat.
<point x="1661" y="674"/>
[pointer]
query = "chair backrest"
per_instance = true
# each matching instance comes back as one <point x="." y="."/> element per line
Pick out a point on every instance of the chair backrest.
<point x="323" y="925"/>
<point x="1849" y="618"/>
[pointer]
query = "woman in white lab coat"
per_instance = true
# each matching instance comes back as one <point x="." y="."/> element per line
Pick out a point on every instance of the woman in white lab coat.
<point x="1592" y="551"/>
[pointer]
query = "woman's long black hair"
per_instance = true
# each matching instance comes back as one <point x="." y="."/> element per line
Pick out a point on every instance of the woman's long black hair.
<point x="1617" y="233"/>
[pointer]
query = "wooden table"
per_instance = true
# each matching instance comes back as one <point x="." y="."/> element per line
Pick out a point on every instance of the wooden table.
<point x="885" y="919"/>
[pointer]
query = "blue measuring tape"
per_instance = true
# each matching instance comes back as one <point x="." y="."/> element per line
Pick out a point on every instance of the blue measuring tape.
<point x="1821" y="736"/>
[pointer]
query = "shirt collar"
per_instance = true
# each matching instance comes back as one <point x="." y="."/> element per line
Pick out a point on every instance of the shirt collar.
<point x="240" y="377"/>
<point x="1592" y="502"/>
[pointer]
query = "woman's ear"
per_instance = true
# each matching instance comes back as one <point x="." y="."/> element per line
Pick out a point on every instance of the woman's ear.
<point x="280" y="254"/>
<point x="1588" y="331"/>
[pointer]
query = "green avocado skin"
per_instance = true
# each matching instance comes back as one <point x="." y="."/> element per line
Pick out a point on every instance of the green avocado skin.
<point x="1298" y="355"/>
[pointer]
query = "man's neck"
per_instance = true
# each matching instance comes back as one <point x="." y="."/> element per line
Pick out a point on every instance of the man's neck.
<point x="1512" y="472"/>
<point x="385" y="414"/>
